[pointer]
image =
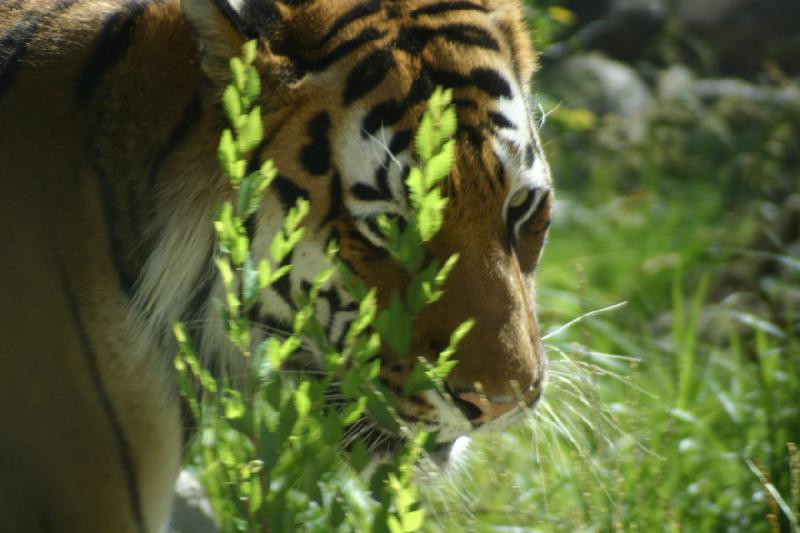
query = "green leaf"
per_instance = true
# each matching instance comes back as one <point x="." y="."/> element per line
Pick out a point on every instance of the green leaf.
<point x="359" y="456"/>
<point x="394" y="525"/>
<point x="367" y="309"/>
<point x="255" y="498"/>
<point x="301" y="400"/>
<point x="416" y="187"/>
<point x="231" y="103"/>
<point x="351" y="382"/>
<point x="249" y="51"/>
<point x="418" y="381"/>
<point x="394" y="323"/>
<point x="250" y="193"/>
<point x="250" y="283"/>
<point x="412" y="521"/>
<point x="237" y="73"/>
<point x="448" y="124"/>
<point x="353" y="411"/>
<point x="379" y="409"/>
<point x="225" y="271"/>
<point x="226" y="153"/>
<point x="430" y="218"/>
<point x="264" y="274"/>
<point x="425" y="141"/>
<point x="233" y="405"/>
<point x="179" y="330"/>
<point x="439" y="166"/>
<point x="251" y="131"/>
<point x="444" y="272"/>
<point x="268" y="172"/>
<point x="252" y="87"/>
<point x="331" y="427"/>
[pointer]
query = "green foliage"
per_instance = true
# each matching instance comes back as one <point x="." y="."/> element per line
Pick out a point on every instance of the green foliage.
<point x="679" y="411"/>
<point x="548" y="21"/>
<point x="269" y="450"/>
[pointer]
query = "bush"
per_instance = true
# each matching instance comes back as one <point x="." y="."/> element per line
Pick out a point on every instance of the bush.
<point x="269" y="451"/>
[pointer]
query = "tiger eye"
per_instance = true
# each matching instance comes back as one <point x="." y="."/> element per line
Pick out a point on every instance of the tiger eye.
<point x="519" y="198"/>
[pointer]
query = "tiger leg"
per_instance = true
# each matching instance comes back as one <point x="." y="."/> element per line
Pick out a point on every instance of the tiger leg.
<point x="91" y="436"/>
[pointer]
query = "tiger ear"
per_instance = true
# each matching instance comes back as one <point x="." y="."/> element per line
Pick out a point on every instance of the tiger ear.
<point x="509" y="16"/>
<point x="221" y="27"/>
<point x="218" y="29"/>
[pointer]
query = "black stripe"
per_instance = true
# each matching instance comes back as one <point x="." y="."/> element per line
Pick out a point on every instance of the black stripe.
<point x="110" y="46"/>
<point x="273" y="326"/>
<point x="414" y="39"/>
<point x="367" y="74"/>
<point x="316" y="155"/>
<point x="465" y="103"/>
<point x="529" y="156"/>
<point x="366" y="193"/>
<point x="123" y="447"/>
<point x="249" y="23"/>
<point x="288" y="191"/>
<point x="491" y="82"/>
<point x="191" y="114"/>
<point x="386" y="113"/>
<point x="283" y="286"/>
<point x="487" y="80"/>
<point x="341" y="50"/>
<point x="501" y="121"/>
<point x="499" y="170"/>
<point x="445" y="7"/>
<point x="250" y="227"/>
<point x="358" y="12"/>
<point x="382" y="178"/>
<point x="377" y="253"/>
<point x="404" y="183"/>
<point x="256" y="157"/>
<point x="14" y="44"/>
<point x="335" y="305"/>
<point x="389" y="112"/>
<point x="335" y="199"/>
<point x="400" y="141"/>
<point x="475" y="138"/>
<point x="372" y="224"/>
<point x="116" y="241"/>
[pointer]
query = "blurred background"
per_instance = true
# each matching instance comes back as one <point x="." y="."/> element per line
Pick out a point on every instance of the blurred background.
<point x="673" y="131"/>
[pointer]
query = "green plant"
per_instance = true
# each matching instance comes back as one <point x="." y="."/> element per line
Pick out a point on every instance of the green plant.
<point x="268" y="450"/>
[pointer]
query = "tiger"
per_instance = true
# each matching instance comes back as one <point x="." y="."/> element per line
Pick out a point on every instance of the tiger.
<point x="111" y="115"/>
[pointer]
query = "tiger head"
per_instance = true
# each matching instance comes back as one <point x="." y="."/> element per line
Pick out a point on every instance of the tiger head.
<point x="344" y="87"/>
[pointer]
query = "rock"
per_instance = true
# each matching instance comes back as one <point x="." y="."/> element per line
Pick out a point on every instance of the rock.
<point x="744" y="35"/>
<point x="598" y="83"/>
<point x="606" y="87"/>
<point x="679" y="83"/>
<point x="675" y="83"/>
<point x="191" y="512"/>
<point x="730" y="37"/>
<point x="713" y="89"/>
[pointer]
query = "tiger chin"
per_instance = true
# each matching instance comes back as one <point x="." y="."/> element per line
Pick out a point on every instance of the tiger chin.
<point x="109" y="179"/>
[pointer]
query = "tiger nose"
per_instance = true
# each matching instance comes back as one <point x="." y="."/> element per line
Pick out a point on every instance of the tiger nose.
<point x="480" y="408"/>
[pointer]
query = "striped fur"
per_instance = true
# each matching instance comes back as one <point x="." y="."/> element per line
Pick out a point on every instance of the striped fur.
<point x="110" y="120"/>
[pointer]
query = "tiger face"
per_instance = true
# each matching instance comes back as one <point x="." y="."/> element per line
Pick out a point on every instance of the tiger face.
<point x="345" y="86"/>
<point x="110" y="183"/>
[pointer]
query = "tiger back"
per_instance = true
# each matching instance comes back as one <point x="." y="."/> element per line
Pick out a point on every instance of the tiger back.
<point x="108" y="176"/>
